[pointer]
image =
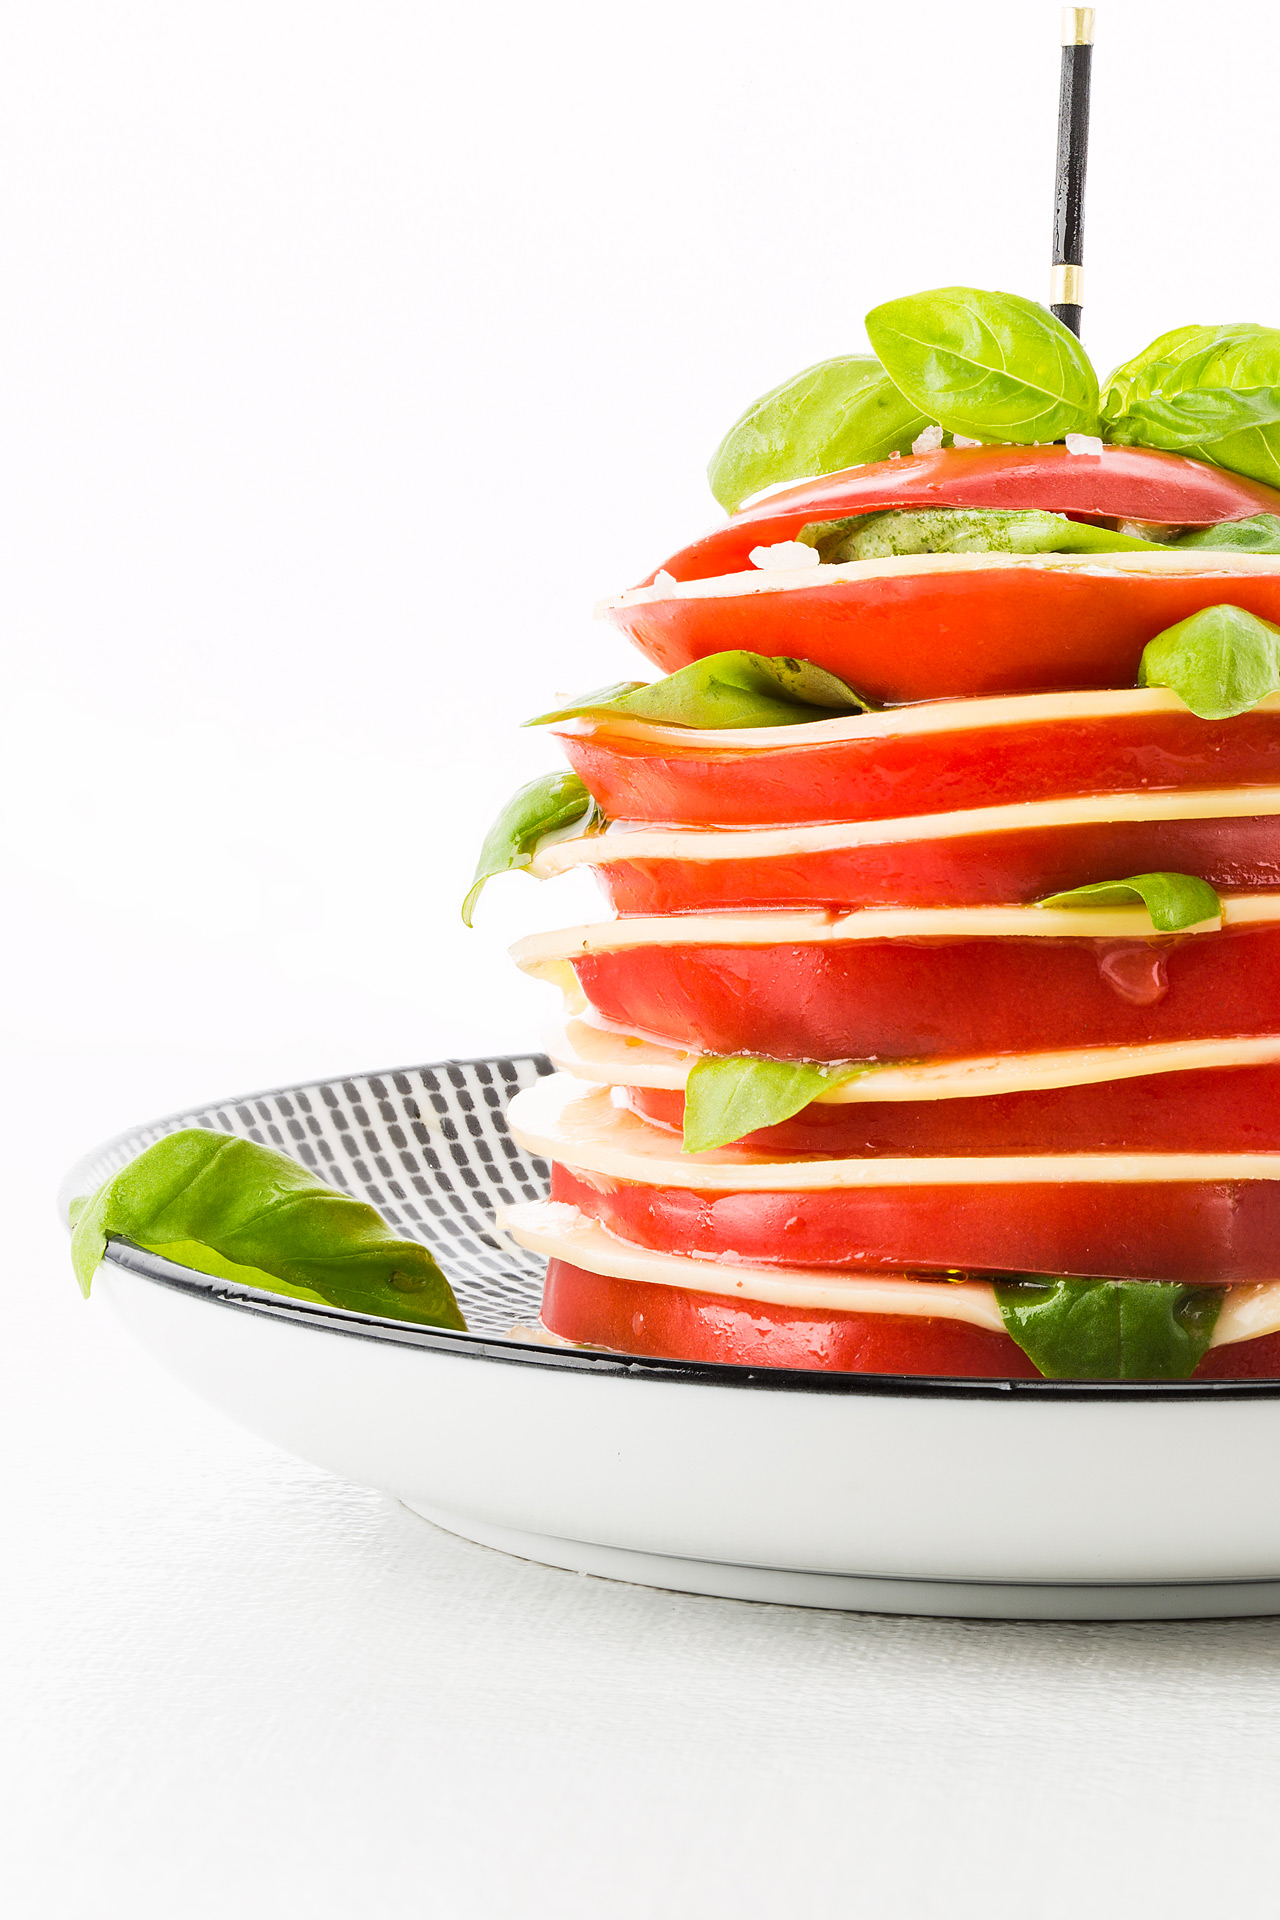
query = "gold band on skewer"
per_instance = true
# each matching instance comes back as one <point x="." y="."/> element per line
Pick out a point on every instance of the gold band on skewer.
<point x="1077" y="26"/>
<point x="1066" y="286"/>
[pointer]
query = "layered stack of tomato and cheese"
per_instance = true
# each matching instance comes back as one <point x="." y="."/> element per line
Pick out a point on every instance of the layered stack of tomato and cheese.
<point x="1010" y="1096"/>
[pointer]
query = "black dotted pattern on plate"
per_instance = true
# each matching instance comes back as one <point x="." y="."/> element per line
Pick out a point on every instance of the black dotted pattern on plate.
<point x="427" y="1146"/>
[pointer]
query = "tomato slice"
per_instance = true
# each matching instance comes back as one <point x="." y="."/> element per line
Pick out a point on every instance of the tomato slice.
<point x="631" y="1316"/>
<point x="1208" y="1110"/>
<point x="802" y="775"/>
<point x="1211" y="1233"/>
<point x="917" y="999"/>
<point x="930" y="633"/>
<point x="964" y="870"/>
<point x="1122" y="483"/>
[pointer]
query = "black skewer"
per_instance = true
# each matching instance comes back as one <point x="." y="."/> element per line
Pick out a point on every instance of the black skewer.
<point x="1066" y="283"/>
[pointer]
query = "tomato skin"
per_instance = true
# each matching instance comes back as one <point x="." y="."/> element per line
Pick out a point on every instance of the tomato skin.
<point x="1209" y="1233"/>
<point x="907" y="999"/>
<point x="974" y="870"/>
<point x="900" y="638"/>
<point x="1209" y="1110"/>
<point x="1123" y="483"/>
<point x="797" y="781"/>
<point x="630" y="1316"/>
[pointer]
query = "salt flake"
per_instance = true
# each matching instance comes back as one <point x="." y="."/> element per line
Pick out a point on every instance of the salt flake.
<point x="1083" y="443"/>
<point x="787" y="553"/>
<point x="927" y="442"/>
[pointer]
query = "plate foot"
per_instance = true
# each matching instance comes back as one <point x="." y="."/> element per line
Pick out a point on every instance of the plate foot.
<point x="865" y="1593"/>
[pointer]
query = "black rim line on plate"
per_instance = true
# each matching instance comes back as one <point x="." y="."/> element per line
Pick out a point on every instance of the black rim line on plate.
<point x="470" y="1346"/>
<point x="510" y="1352"/>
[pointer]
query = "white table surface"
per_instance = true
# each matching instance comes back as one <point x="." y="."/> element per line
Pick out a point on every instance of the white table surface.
<point x="239" y="1687"/>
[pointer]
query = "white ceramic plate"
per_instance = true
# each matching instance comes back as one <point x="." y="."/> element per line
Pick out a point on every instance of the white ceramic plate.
<point x="1031" y="1499"/>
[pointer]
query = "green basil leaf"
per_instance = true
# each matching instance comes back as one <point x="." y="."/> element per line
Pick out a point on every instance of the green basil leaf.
<point x="841" y="413"/>
<point x="232" y="1207"/>
<point x="883" y="536"/>
<point x="724" y="690"/>
<point x="727" y="1096"/>
<point x="1174" y="900"/>
<point x="990" y="366"/>
<point x="1220" y="662"/>
<point x="545" y="805"/>
<point x="1109" y="1329"/>
<point x="1209" y="391"/>
<point x="1260" y="533"/>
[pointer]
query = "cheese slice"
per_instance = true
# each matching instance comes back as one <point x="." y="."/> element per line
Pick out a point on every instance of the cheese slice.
<point x="589" y="1133"/>
<point x="615" y="1057"/>
<point x="627" y="841"/>
<point x="562" y="1232"/>
<point x="927" y="717"/>
<point x="1206" y="563"/>
<point x="539" y="953"/>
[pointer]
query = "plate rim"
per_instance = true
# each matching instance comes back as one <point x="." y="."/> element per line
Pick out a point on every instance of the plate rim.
<point x="319" y="1318"/>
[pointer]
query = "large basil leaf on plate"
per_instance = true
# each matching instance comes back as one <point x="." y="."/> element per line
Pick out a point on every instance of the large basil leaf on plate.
<point x="546" y="805"/>
<point x="1175" y="901"/>
<point x="733" y="689"/>
<point x="989" y="366"/>
<point x="237" y="1210"/>
<point x="1212" y="392"/>
<point x="1220" y="662"/>
<point x="1109" y="1329"/>
<point x="840" y="413"/>
<point x="883" y="536"/>
<point x="728" y="1095"/>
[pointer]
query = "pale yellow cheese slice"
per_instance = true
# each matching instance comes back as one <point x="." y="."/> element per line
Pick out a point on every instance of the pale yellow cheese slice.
<point x="591" y="1133"/>
<point x="615" y="1057"/>
<point x="628" y="841"/>
<point x="562" y="1232"/>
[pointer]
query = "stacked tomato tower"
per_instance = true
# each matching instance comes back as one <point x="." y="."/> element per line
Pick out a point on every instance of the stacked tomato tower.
<point x="1054" y="1092"/>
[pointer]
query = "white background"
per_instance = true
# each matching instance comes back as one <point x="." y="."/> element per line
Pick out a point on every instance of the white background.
<point x="350" y="352"/>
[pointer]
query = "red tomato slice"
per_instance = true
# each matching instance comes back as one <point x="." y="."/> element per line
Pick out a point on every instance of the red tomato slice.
<point x="796" y="779"/>
<point x="988" y="869"/>
<point x="1121" y="483"/>
<point x="939" y="634"/>
<point x="630" y="1316"/>
<point x="1209" y="1110"/>
<point x="1211" y="1233"/>
<point x="940" y="999"/>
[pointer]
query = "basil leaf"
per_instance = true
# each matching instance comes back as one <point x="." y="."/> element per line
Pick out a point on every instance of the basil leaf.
<point x="1209" y="391"/>
<point x="230" y="1205"/>
<point x="990" y="366"/>
<point x="1260" y="533"/>
<point x="841" y="413"/>
<point x="552" y="801"/>
<point x="1109" y="1329"/>
<point x="724" y="690"/>
<point x="727" y="1096"/>
<point x="1174" y="900"/>
<point x="881" y="536"/>
<point x="1220" y="662"/>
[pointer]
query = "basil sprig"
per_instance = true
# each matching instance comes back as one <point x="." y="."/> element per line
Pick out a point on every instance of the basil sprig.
<point x="838" y="414"/>
<point x="1109" y="1329"/>
<point x="1174" y="900"/>
<point x="546" y="805"/>
<point x="728" y="1095"/>
<point x="234" y="1209"/>
<point x="992" y="366"/>
<point x="1220" y="662"/>
<point x="1209" y="391"/>
<point x="882" y="536"/>
<point x="724" y="690"/>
